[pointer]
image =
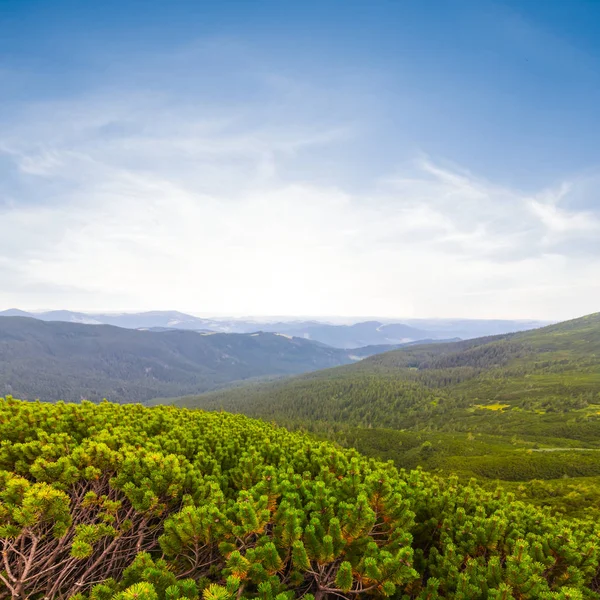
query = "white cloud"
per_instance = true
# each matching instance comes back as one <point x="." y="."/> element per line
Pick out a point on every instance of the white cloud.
<point x="561" y="221"/>
<point x="137" y="202"/>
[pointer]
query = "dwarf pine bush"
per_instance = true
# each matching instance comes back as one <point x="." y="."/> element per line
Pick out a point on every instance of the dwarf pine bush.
<point x="120" y="502"/>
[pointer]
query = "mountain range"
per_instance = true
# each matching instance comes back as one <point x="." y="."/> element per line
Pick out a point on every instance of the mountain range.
<point x="347" y="336"/>
<point x="55" y="360"/>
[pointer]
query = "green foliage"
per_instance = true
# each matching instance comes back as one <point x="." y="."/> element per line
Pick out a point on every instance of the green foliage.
<point x="343" y="578"/>
<point x="516" y="407"/>
<point x="115" y="502"/>
<point x="138" y="591"/>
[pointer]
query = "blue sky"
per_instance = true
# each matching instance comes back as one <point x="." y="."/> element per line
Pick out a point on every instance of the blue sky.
<point x="389" y="158"/>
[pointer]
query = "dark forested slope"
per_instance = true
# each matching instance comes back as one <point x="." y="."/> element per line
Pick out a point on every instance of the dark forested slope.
<point x="69" y="361"/>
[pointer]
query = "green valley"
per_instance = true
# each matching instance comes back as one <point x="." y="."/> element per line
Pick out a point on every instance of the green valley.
<point x="514" y="407"/>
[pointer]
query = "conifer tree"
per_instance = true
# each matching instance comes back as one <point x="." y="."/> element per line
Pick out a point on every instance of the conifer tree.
<point x="113" y="502"/>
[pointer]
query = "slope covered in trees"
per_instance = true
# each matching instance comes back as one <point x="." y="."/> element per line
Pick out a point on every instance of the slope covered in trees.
<point x="121" y="502"/>
<point x="480" y="383"/>
<point x="71" y="361"/>
<point x="538" y="388"/>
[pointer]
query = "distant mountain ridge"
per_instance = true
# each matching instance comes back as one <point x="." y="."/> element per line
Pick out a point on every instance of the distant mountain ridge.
<point x="71" y="361"/>
<point x="346" y="336"/>
<point x="360" y="334"/>
<point x="170" y="319"/>
<point x="55" y="360"/>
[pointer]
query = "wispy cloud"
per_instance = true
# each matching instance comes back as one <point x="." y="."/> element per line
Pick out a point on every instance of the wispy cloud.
<point x="145" y="201"/>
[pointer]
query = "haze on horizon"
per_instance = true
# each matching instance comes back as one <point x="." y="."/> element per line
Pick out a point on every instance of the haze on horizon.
<point x="431" y="159"/>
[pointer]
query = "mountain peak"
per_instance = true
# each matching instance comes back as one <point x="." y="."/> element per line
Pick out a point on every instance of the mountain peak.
<point x="14" y="312"/>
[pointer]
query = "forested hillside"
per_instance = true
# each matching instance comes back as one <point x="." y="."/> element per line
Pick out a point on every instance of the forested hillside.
<point x="529" y="391"/>
<point x="121" y="502"/>
<point x="449" y="385"/>
<point x="70" y="361"/>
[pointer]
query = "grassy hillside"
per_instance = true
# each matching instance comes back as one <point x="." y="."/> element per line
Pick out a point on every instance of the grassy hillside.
<point x="122" y="502"/>
<point x="70" y="361"/>
<point x="541" y="387"/>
